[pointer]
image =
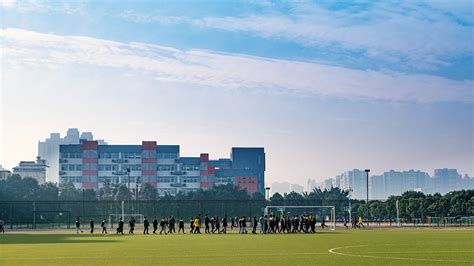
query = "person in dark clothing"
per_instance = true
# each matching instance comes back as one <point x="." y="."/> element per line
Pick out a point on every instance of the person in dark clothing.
<point x="206" y="224"/>
<point x="163" y="225"/>
<point x="120" y="226"/>
<point x="232" y="223"/>
<point x="146" y="225"/>
<point x="191" y="225"/>
<point x="224" y="225"/>
<point x="254" y="225"/>
<point x="104" y="226"/>
<point x="131" y="225"/>
<point x="213" y="224"/>
<point x="345" y="222"/>
<point x="218" y="225"/>
<point x="172" y="221"/>
<point x="181" y="225"/>
<point x="155" y="225"/>
<point x="78" y="226"/>
<point x="2" y="226"/>
<point x="91" y="225"/>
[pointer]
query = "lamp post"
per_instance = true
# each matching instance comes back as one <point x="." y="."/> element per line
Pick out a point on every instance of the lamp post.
<point x="129" y="194"/>
<point x="136" y="193"/>
<point x="367" y="202"/>
<point x="267" y="189"/>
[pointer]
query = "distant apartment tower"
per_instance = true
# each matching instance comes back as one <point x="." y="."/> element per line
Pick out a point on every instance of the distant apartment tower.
<point x="49" y="149"/>
<point x="355" y="182"/>
<point x="4" y="173"/>
<point x="446" y="180"/>
<point x="34" y="169"/>
<point x="311" y="184"/>
<point x="280" y="187"/>
<point x="90" y="165"/>
<point x="296" y="188"/>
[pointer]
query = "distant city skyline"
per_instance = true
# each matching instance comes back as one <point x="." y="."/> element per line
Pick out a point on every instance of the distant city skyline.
<point x="324" y="87"/>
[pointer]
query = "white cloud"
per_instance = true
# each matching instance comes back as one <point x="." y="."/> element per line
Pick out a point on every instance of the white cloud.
<point x="423" y="38"/>
<point x="23" y="48"/>
<point x="7" y="3"/>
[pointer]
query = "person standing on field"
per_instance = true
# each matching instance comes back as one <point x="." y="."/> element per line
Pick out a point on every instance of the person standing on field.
<point x="155" y="225"/>
<point x="181" y="225"/>
<point x="78" y="226"/>
<point x="2" y="223"/>
<point x="146" y="224"/>
<point x="91" y="226"/>
<point x="104" y="226"/>
<point x="254" y="225"/>
<point x="206" y="224"/>
<point x="131" y="225"/>
<point x="224" y="225"/>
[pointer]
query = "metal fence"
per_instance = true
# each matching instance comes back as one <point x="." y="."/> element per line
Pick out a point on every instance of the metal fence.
<point x="62" y="213"/>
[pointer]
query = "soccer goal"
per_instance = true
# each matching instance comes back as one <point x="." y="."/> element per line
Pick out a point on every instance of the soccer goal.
<point x="114" y="218"/>
<point x="326" y="214"/>
<point x="434" y="221"/>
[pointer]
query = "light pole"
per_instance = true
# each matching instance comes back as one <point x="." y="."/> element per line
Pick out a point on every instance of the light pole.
<point x="367" y="202"/>
<point x="136" y="193"/>
<point x="129" y="194"/>
<point x="267" y="189"/>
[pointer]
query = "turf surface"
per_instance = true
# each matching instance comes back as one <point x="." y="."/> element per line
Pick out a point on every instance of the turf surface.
<point x="342" y="247"/>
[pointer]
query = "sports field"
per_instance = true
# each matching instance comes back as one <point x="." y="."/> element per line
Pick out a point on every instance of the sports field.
<point x="342" y="247"/>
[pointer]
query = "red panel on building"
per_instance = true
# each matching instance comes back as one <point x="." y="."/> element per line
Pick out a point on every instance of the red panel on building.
<point x="90" y="145"/>
<point x="204" y="157"/>
<point x="148" y="172"/>
<point x="89" y="160"/>
<point x="211" y="169"/>
<point x="89" y="172"/>
<point x="149" y="160"/>
<point x="250" y="183"/>
<point x="89" y="184"/>
<point x="207" y="184"/>
<point x="204" y="172"/>
<point x="149" y="145"/>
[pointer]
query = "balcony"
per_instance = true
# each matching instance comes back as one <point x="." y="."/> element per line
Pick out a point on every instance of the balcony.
<point x="120" y="160"/>
<point x="177" y="184"/>
<point x="119" y="172"/>
<point x="178" y="172"/>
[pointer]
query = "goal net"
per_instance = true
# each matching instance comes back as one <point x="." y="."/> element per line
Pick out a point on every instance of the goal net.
<point x="324" y="214"/>
<point x="114" y="218"/>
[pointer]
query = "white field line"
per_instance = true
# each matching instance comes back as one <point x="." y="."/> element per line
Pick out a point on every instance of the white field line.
<point x="333" y="251"/>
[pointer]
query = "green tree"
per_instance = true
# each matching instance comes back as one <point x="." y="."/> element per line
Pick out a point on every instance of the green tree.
<point x="122" y="193"/>
<point x="148" y="192"/>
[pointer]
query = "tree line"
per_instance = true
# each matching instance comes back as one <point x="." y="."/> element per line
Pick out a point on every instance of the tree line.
<point x="58" y="203"/>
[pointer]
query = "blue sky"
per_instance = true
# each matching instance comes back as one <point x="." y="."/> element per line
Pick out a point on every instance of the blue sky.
<point x="316" y="83"/>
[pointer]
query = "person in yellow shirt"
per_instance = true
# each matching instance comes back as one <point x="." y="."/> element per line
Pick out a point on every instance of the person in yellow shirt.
<point x="360" y="222"/>
<point x="197" y="225"/>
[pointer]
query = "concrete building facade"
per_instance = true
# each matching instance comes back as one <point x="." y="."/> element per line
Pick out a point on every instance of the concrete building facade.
<point x="90" y="165"/>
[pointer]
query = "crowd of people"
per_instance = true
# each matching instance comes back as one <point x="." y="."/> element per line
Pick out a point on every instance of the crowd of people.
<point x="267" y="224"/>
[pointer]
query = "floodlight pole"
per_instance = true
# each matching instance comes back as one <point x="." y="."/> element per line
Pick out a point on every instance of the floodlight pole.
<point x="129" y="194"/>
<point x="367" y="202"/>
<point x="267" y="189"/>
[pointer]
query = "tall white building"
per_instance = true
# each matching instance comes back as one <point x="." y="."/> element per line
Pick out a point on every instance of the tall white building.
<point x="296" y="188"/>
<point x="4" y="173"/>
<point x="34" y="169"/>
<point x="49" y="149"/>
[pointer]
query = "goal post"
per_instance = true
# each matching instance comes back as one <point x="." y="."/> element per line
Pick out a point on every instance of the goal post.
<point x="114" y="218"/>
<point x="322" y="213"/>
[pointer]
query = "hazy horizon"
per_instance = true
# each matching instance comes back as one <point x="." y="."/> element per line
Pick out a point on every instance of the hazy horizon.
<point x="324" y="87"/>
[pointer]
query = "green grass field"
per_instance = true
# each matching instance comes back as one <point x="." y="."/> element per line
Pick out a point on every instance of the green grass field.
<point x="342" y="247"/>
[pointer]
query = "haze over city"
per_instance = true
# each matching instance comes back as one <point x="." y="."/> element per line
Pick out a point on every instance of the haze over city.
<point x="319" y="85"/>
